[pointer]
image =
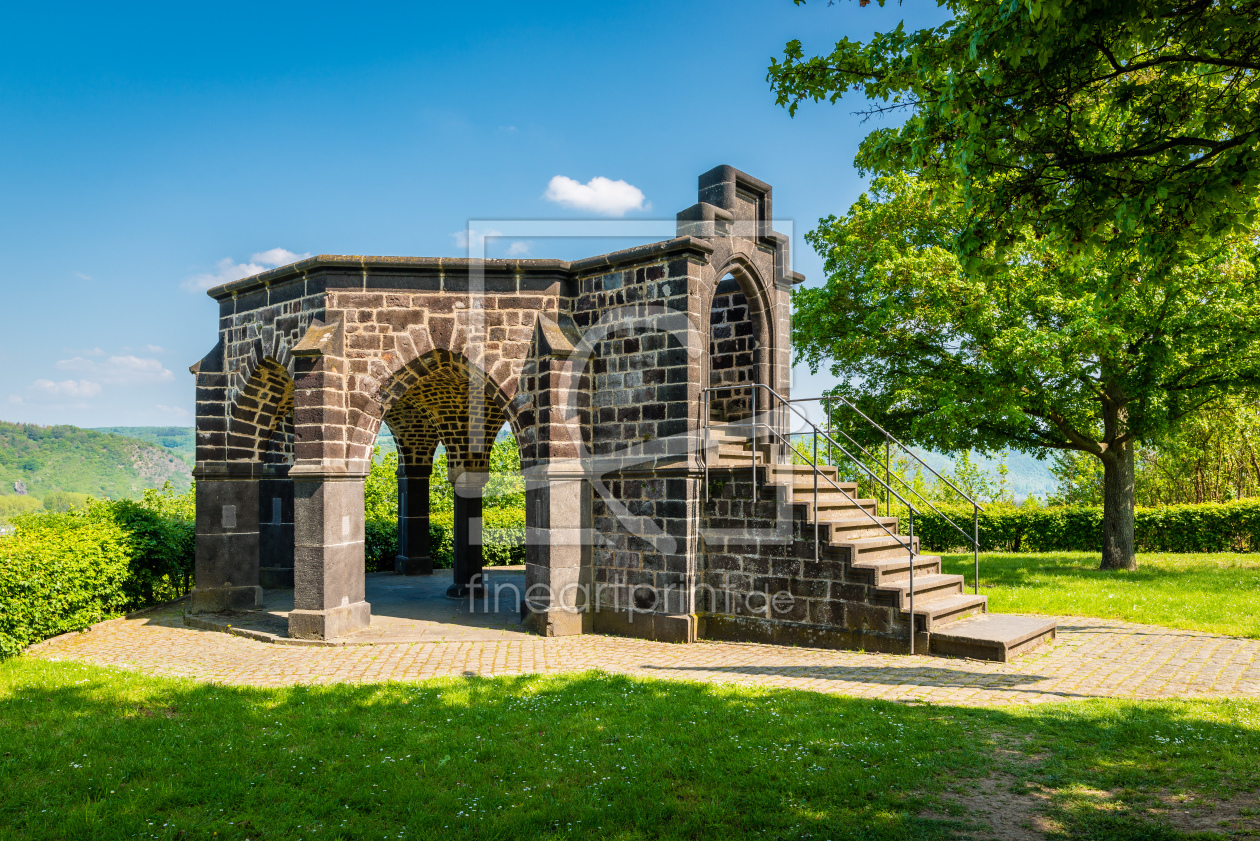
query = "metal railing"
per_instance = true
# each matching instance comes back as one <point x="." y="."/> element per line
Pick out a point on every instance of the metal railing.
<point x="755" y="423"/>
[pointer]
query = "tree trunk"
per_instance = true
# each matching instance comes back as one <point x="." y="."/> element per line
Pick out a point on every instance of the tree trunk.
<point x="1117" y="525"/>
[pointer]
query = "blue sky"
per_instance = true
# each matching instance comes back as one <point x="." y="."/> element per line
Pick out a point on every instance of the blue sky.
<point x="147" y="150"/>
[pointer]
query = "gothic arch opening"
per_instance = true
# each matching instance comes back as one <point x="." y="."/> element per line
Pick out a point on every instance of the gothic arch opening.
<point x="734" y="348"/>
<point x="448" y="403"/>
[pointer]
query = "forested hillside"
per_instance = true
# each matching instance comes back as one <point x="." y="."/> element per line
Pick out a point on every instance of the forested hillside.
<point x="178" y="439"/>
<point x="44" y="459"/>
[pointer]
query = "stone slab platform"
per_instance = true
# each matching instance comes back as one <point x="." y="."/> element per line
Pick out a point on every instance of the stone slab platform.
<point x="1090" y="658"/>
<point x="404" y="609"/>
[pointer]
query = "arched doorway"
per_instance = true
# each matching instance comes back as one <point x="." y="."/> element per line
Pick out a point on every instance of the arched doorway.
<point x="444" y="399"/>
<point x="733" y="353"/>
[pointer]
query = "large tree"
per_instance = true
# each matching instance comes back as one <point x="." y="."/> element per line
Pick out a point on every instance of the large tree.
<point x="1059" y="249"/>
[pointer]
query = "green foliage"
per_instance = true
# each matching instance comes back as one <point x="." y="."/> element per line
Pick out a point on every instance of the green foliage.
<point x="61" y="501"/>
<point x="85" y="461"/>
<point x="1210" y="457"/>
<point x="62" y="571"/>
<point x="1059" y="248"/>
<point x="14" y="504"/>
<point x="1210" y="527"/>
<point x="1106" y="127"/>
<point x="503" y="510"/>
<point x="181" y="440"/>
<point x="59" y="573"/>
<point x="502" y="535"/>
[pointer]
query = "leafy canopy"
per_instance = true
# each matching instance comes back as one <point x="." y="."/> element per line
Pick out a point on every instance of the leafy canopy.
<point x="1129" y="127"/>
<point x="1028" y="348"/>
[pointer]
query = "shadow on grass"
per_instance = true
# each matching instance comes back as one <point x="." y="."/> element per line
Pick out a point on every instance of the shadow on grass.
<point x="89" y="752"/>
<point x="880" y="673"/>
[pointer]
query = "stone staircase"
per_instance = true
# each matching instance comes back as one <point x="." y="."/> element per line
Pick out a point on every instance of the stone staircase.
<point x="947" y="618"/>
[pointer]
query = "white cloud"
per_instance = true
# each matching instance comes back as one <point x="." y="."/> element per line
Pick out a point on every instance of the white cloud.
<point x="516" y="248"/>
<point x="463" y="237"/>
<point x="177" y="411"/>
<point x="599" y="195"/>
<point x="65" y="388"/>
<point x="228" y="270"/>
<point x="82" y="276"/>
<point x="277" y="257"/>
<point x="67" y="393"/>
<point x="119" y="370"/>
<point x="153" y="349"/>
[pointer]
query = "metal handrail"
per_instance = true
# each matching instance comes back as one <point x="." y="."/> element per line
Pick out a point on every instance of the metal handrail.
<point x="755" y="423"/>
<point x="889" y="438"/>
<point x="911" y="489"/>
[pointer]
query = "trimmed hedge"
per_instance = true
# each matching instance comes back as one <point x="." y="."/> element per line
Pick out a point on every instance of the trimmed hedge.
<point x="381" y="544"/>
<point x="1209" y="527"/>
<point x="503" y="536"/>
<point x="60" y="572"/>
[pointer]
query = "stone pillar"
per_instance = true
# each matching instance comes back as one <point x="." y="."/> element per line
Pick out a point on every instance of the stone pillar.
<point x="275" y="530"/>
<point x="467" y="579"/>
<point x="557" y="555"/>
<point x="226" y="576"/>
<point x="413" y="520"/>
<point x="328" y="593"/>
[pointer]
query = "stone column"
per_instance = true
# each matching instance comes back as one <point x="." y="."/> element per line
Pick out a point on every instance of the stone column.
<point x="226" y="576"/>
<point x="328" y="593"/>
<point x="275" y="529"/>
<point x="467" y="579"/>
<point x="557" y="555"/>
<point x="413" y="520"/>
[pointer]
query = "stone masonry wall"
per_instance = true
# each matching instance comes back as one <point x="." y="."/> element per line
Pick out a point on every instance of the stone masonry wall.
<point x="761" y="581"/>
<point x="732" y="352"/>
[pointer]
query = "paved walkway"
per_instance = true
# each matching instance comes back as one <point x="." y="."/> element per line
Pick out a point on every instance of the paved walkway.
<point x="1091" y="658"/>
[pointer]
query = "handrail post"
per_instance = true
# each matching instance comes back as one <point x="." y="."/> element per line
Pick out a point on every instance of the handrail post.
<point x="827" y="409"/>
<point x="975" y="524"/>
<point x="704" y="442"/>
<point x="816" y="517"/>
<point x="887" y="477"/>
<point x="752" y="433"/>
<point x="911" y="509"/>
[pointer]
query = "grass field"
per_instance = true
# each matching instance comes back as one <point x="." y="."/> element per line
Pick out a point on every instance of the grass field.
<point x="102" y="754"/>
<point x="1219" y="593"/>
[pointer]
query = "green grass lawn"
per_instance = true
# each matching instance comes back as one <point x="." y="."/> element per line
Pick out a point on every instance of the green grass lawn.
<point x="93" y="753"/>
<point x="1217" y="592"/>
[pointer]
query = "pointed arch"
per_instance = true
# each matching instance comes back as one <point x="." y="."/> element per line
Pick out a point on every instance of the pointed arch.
<point x="260" y="418"/>
<point x="443" y="396"/>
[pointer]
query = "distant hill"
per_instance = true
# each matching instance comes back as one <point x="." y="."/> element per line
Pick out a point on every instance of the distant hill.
<point x="43" y="459"/>
<point x="1028" y="476"/>
<point x="180" y="440"/>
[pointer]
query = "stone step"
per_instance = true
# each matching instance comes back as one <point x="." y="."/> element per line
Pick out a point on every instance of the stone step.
<point x="943" y="612"/>
<point x="835" y="506"/>
<point x="883" y="546"/>
<point x="993" y="636"/>
<point x="895" y="570"/>
<point x="927" y="588"/>
<point x="845" y="526"/>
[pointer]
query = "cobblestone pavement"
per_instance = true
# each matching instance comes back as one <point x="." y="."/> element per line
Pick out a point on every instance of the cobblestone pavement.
<point x="1091" y="658"/>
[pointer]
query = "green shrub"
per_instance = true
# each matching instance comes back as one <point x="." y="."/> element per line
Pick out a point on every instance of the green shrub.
<point x="14" y="505"/>
<point x="502" y="535"/>
<point x="1209" y="527"/>
<point x="381" y="544"/>
<point x="62" y="571"/>
<point x="64" y="500"/>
